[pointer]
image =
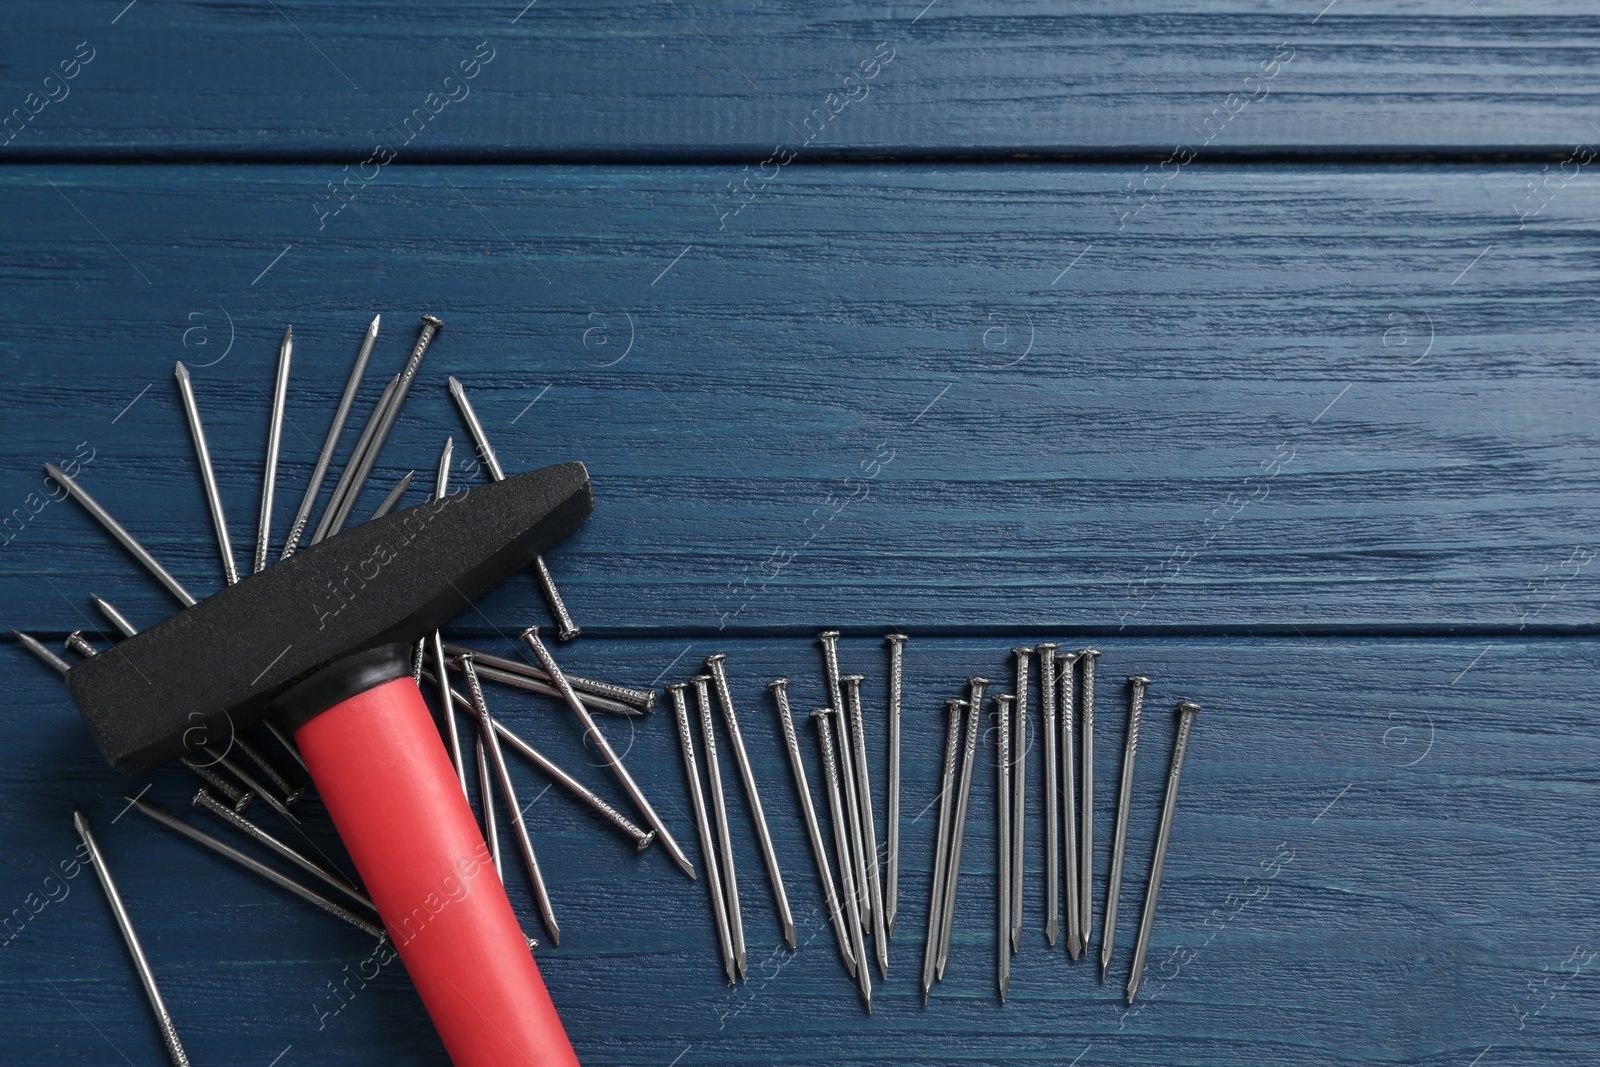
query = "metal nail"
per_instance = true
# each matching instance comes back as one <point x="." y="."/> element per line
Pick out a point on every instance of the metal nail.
<point x="819" y="852"/>
<point x="147" y="978"/>
<point x="241" y="798"/>
<point x="288" y="744"/>
<point x="614" y="699"/>
<point x="418" y="657"/>
<point x="250" y="863"/>
<point x="891" y="859"/>
<point x="642" y="839"/>
<point x="1019" y="777"/>
<point x="441" y="472"/>
<point x="341" y="488"/>
<point x="869" y="829"/>
<point x="1086" y="802"/>
<point x="221" y="759"/>
<point x="530" y="859"/>
<point x="394" y="496"/>
<point x="1004" y="708"/>
<point x="1052" y="800"/>
<point x="717" y="665"/>
<point x="491" y="828"/>
<point x="839" y="815"/>
<point x="719" y="813"/>
<point x="1137" y="684"/>
<point x="1066" y="703"/>
<point x="829" y="639"/>
<point x="122" y="536"/>
<point x="269" y="475"/>
<point x="1186" y="713"/>
<point x="291" y="792"/>
<point x="452" y="728"/>
<point x="958" y="826"/>
<point x="208" y="477"/>
<point x="566" y="629"/>
<point x="116" y="618"/>
<point x="954" y="710"/>
<point x="203" y="799"/>
<point x="531" y="637"/>
<point x="430" y="327"/>
<point x="50" y="658"/>
<point x="329" y="443"/>
<point x="852" y="801"/>
<point x="702" y="823"/>
<point x="78" y="643"/>
<point x="530" y="684"/>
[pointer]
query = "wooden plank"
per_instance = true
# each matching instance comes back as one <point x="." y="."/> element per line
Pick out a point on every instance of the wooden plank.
<point x="565" y="80"/>
<point x="1355" y="399"/>
<point x="1384" y="853"/>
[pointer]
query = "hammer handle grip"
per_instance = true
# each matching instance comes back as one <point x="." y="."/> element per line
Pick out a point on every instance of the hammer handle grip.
<point x="387" y="782"/>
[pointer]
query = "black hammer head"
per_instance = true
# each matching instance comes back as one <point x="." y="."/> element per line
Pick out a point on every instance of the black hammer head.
<point x="215" y="667"/>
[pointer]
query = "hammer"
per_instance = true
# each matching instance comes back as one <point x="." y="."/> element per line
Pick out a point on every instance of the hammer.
<point x="320" y="643"/>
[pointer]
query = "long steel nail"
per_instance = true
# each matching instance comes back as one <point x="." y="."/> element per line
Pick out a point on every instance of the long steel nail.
<point x="717" y="665"/>
<point x="147" y="978"/>
<point x="250" y="863"/>
<point x="719" y="813"/>
<point x="287" y="742"/>
<point x="869" y="828"/>
<point x="122" y="536"/>
<point x="202" y="454"/>
<point x="954" y="710"/>
<point x="531" y="637"/>
<point x="819" y="851"/>
<point x="891" y="858"/>
<point x="203" y="799"/>
<point x="269" y="474"/>
<point x="615" y="699"/>
<point x="291" y="792"/>
<point x="509" y="792"/>
<point x="241" y="798"/>
<point x="1052" y="801"/>
<point x="839" y="815"/>
<point x="1019" y="777"/>
<point x="430" y="327"/>
<point x="491" y="827"/>
<point x="829" y="640"/>
<point x="642" y="839"/>
<point x="452" y="728"/>
<point x="566" y="629"/>
<point x="249" y="780"/>
<point x="1137" y="684"/>
<point x="1086" y="802"/>
<point x="394" y="496"/>
<point x="329" y="443"/>
<point x="441" y="472"/>
<point x="702" y="824"/>
<point x="330" y="512"/>
<point x="527" y="683"/>
<point x="1004" y="708"/>
<point x="48" y="656"/>
<point x="858" y="843"/>
<point x="1066" y="703"/>
<point x="116" y="618"/>
<point x="1186" y="713"/>
<point x="958" y="825"/>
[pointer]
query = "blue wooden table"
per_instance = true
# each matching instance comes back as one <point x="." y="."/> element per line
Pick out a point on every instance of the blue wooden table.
<point x="1252" y="344"/>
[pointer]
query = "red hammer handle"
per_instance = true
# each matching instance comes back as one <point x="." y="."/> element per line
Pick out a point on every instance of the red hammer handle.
<point x="385" y="778"/>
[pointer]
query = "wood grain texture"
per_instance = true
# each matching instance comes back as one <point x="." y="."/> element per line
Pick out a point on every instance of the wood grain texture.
<point x="1427" y="805"/>
<point x="1350" y="399"/>
<point x="695" y="79"/>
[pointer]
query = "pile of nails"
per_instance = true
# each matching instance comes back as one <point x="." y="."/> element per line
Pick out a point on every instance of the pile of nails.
<point x="229" y="787"/>
<point x="862" y="901"/>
